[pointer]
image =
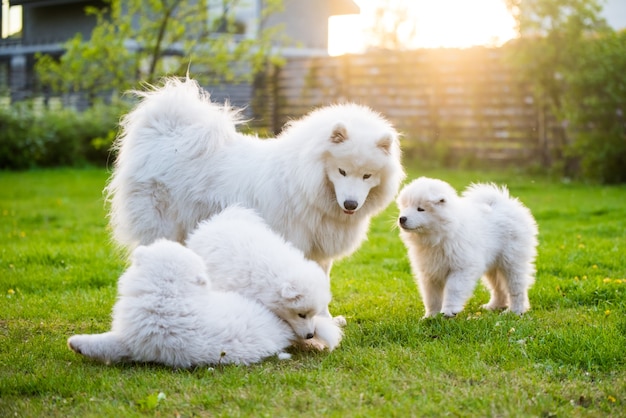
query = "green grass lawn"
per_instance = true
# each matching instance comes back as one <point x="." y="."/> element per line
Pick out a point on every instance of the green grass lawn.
<point x="566" y="357"/>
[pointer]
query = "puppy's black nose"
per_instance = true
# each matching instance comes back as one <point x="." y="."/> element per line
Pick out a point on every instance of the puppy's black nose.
<point x="350" y="204"/>
<point x="309" y="336"/>
<point x="402" y="220"/>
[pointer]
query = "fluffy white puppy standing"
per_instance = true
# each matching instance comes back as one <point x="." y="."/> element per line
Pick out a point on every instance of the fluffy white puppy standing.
<point x="167" y="313"/>
<point x="181" y="160"/>
<point x="452" y="241"/>
<point x="244" y="255"/>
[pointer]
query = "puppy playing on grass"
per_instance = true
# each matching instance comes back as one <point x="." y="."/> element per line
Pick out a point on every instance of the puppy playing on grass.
<point x="167" y="312"/>
<point x="452" y="241"/>
<point x="244" y="255"/>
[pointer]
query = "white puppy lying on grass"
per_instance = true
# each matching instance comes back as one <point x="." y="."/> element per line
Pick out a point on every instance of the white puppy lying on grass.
<point x="244" y="255"/>
<point x="167" y="313"/>
<point x="453" y="240"/>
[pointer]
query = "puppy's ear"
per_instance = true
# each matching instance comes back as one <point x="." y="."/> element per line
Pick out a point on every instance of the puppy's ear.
<point x="384" y="143"/>
<point x="289" y="292"/>
<point x="339" y="134"/>
<point x="201" y="280"/>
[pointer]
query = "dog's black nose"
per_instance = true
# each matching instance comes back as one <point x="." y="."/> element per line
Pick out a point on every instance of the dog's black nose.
<point x="402" y="220"/>
<point x="309" y="336"/>
<point x="350" y="204"/>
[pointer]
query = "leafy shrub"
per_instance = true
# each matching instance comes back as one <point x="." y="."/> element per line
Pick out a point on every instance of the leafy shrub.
<point x="31" y="137"/>
<point x="596" y="108"/>
<point x="17" y="147"/>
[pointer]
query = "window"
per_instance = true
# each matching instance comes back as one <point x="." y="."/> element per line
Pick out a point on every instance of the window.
<point x="11" y="21"/>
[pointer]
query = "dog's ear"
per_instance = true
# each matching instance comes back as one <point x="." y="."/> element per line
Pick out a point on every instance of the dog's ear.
<point x="384" y="143"/>
<point x="289" y="292"/>
<point x="201" y="280"/>
<point x="339" y="134"/>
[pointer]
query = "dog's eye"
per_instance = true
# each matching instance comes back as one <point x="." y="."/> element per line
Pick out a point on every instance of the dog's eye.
<point x="342" y="172"/>
<point x="366" y="176"/>
<point x="301" y="315"/>
<point x="420" y="209"/>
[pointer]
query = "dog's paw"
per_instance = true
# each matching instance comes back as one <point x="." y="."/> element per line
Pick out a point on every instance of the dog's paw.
<point x="493" y="307"/>
<point x="283" y="356"/>
<point x="450" y="310"/>
<point x="73" y="343"/>
<point x="519" y="306"/>
<point x="311" y="344"/>
<point x="519" y="312"/>
<point x="328" y="331"/>
<point x="340" y="321"/>
<point x="101" y="347"/>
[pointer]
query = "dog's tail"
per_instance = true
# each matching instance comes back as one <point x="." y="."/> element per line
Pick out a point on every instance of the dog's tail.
<point x="497" y="199"/>
<point x="487" y="193"/>
<point x="179" y="113"/>
<point x="171" y="127"/>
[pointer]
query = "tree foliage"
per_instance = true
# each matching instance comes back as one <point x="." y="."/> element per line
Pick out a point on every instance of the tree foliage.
<point x="573" y="61"/>
<point x="392" y="27"/>
<point x="139" y="40"/>
<point x="551" y="33"/>
<point x="595" y="107"/>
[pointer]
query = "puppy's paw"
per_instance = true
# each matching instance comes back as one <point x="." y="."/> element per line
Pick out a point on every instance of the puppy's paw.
<point x="328" y="331"/>
<point x="73" y="343"/>
<point x="81" y="344"/>
<point x="493" y="307"/>
<point x="102" y="347"/>
<point x="518" y="312"/>
<point x="430" y="315"/>
<point x="311" y="344"/>
<point x="450" y="311"/>
<point x="519" y="307"/>
<point x="340" y="321"/>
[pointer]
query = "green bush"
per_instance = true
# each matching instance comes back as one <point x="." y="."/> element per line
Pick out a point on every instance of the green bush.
<point x="596" y="107"/>
<point x="31" y="137"/>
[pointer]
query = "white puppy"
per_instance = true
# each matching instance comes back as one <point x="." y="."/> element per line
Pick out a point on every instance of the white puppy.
<point x="244" y="255"/>
<point x="453" y="240"/>
<point x="167" y="313"/>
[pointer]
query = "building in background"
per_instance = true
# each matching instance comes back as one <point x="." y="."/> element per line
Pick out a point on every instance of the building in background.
<point x="32" y="26"/>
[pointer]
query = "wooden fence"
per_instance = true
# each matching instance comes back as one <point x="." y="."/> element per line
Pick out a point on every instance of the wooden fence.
<point x="467" y="102"/>
<point x="463" y="103"/>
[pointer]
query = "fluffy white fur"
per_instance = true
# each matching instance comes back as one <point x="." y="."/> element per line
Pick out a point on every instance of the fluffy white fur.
<point x="244" y="255"/>
<point x="452" y="241"/>
<point x="167" y="313"/>
<point x="181" y="160"/>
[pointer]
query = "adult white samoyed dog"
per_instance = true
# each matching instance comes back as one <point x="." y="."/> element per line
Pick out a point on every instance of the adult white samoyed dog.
<point x="452" y="241"/>
<point x="181" y="160"/>
<point x="244" y="255"/>
<point x="166" y="312"/>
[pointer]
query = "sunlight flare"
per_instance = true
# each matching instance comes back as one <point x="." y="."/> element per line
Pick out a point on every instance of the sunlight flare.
<point x="445" y="23"/>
